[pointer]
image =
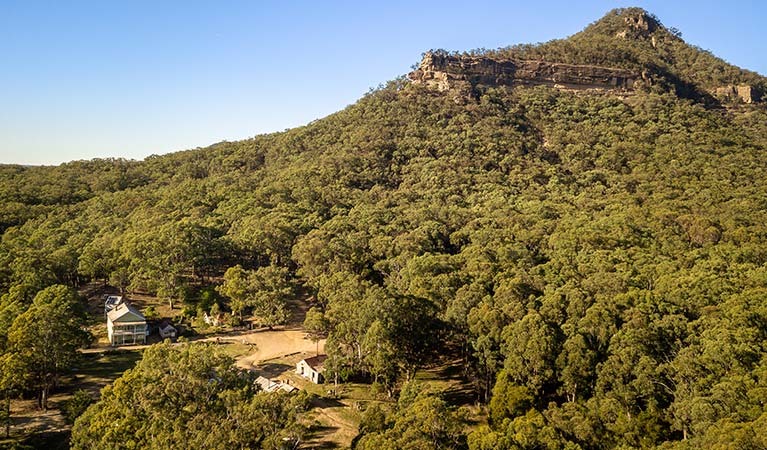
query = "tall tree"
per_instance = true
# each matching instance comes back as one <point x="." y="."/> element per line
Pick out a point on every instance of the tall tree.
<point x="265" y="291"/>
<point x="235" y="286"/>
<point x="423" y="420"/>
<point x="316" y="325"/>
<point x="13" y="379"/>
<point x="46" y="338"/>
<point x="174" y="396"/>
<point x="270" y="289"/>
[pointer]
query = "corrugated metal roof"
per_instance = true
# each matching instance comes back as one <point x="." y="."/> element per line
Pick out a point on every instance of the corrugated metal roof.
<point x="125" y="313"/>
<point x="316" y="362"/>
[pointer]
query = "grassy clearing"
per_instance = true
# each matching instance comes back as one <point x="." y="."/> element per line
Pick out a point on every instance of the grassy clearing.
<point x="47" y="429"/>
<point x="447" y="378"/>
<point x="234" y="349"/>
<point x="43" y="440"/>
<point x="97" y="370"/>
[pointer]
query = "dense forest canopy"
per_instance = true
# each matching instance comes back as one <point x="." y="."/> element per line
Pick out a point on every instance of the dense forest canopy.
<point x="598" y="263"/>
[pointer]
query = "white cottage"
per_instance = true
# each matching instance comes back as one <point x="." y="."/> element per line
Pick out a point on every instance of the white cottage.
<point x="312" y="368"/>
<point x="126" y="325"/>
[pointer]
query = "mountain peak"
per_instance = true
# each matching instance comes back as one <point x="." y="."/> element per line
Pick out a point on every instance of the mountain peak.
<point x="627" y="50"/>
<point x="629" y="23"/>
<point x="639" y="22"/>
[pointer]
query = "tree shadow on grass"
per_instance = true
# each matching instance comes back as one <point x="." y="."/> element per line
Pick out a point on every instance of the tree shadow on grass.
<point x="272" y="370"/>
<point x="48" y="440"/>
<point x="325" y="402"/>
<point x="460" y="395"/>
<point x="318" y="434"/>
<point x="96" y="370"/>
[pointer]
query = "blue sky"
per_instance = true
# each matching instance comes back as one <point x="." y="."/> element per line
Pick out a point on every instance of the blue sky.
<point x="88" y="79"/>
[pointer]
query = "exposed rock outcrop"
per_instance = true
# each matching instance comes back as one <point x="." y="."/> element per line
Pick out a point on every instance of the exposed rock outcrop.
<point x="638" y="23"/>
<point x="450" y="72"/>
<point x="744" y="93"/>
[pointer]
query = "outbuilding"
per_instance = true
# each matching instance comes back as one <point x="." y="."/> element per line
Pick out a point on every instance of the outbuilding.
<point x="167" y="330"/>
<point x="312" y="368"/>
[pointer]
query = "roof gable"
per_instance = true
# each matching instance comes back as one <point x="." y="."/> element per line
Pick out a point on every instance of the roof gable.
<point x="316" y="363"/>
<point x="125" y="313"/>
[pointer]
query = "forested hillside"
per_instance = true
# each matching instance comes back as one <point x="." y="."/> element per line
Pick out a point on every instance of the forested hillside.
<point x="597" y="263"/>
<point x="633" y="39"/>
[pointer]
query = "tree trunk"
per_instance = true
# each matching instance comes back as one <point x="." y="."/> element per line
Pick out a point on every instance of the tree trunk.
<point x="7" y="416"/>
<point x="44" y="399"/>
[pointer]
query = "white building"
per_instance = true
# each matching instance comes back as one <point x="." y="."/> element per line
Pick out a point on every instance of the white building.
<point x="312" y="368"/>
<point x="126" y="326"/>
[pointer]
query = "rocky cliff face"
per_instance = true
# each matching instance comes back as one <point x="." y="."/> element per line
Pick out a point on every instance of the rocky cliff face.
<point x="638" y="23"/>
<point x="743" y="93"/>
<point x="448" y="72"/>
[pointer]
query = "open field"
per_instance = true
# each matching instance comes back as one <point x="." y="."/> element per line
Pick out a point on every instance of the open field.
<point x="100" y="369"/>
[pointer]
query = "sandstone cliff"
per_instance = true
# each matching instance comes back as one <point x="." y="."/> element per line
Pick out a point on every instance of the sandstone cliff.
<point x="744" y="93"/>
<point x="449" y="72"/>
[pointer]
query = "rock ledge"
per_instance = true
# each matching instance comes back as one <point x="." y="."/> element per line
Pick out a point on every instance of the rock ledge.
<point x="451" y="72"/>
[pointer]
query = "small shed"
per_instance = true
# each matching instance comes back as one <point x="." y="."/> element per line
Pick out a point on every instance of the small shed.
<point x="167" y="330"/>
<point x="268" y="385"/>
<point x="312" y="368"/>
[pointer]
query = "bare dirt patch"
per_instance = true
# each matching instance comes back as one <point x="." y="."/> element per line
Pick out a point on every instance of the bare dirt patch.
<point x="27" y="418"/>
<point x="275" y="344"/>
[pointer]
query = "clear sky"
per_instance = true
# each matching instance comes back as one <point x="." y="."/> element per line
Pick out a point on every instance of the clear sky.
<point x="88" y="79"/>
